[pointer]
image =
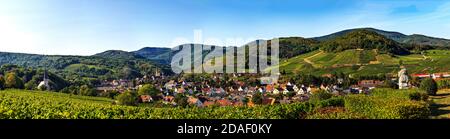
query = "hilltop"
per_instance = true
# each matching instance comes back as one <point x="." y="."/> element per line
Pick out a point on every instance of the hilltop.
<point x="363" y="39"/>
<point x="157" y="54"/>
<point x="416" y="39"/>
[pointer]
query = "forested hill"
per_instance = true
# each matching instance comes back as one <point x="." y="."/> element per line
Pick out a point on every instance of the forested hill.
<point x="156" y="54"/>
<point x="415" y="39"/>
<point x="83" y="67"/>
<point x="118" y="54"/>
<point x="363" y="39"/>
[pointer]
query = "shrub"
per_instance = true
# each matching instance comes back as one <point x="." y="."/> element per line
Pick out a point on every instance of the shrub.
<point x="321" y="95"/>
<point x="148" y="90"/>
<point x="30" y="85"/>
<point x="418" y="96"/>
<point x="332" y="102"/>
<point x="127" y="98"/>
<point x="2" y="83"/>
<point x="429" y="85"/>
<point x="65" y="90"/>
<point x="87" y="91"/>
<point x="181" y="100"/>
<point x="257" y="98"/>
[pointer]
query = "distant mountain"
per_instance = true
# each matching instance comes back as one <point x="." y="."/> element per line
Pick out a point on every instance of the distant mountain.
<point x="396" y="36"/>
<point x="119" y="54"/>
<point x="107" y="65"/>
<point x="425" y="40"/>
<point x="362" y="39"/>
<point x="157" y="54"/>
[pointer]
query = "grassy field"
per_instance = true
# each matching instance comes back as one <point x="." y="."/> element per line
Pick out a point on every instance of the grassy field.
<point x="366" y="62"/>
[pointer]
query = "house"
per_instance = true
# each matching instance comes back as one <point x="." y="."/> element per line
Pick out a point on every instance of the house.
<point x="422" y="75"/>
<point x="238" y="104"/>
<point x="328" y="75"/>
<point x="224" y="102"/>
<point x="295" y="88"/>
<point x="268" y="101"/>
<point x="285" y="91"/>
<point x="434" y="75"/>
<point x="208" y="103"/>
<point x="105" y="89"/>
<point x="269" y="88"/>
<point x="285" y="101"/>
<point x="370" y="83"/>
<point x="180" y="90"/>
<point x="276" y="91"/>
<point x="170" y="85"/>
<point x="195" y="101"/>
<point x="219" y="90"/>
<point x="169" y="98"/>
<point x="240" y="89"/>
<point x="145" y="98"/>
<point x="303" y="91"/>
<point x="206" y="90"/>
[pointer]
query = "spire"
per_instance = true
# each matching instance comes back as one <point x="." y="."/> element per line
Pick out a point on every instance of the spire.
<point x="45" y="73"/>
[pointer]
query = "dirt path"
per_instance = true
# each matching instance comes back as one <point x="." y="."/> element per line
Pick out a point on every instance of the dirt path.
<point x="440" y="109"/>
<point x="312" y="63"/>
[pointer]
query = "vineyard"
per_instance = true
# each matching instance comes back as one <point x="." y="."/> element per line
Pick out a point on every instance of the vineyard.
<point x="20" y="104"/>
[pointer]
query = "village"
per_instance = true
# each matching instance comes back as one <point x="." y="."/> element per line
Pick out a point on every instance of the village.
<point x="221" y="90"/>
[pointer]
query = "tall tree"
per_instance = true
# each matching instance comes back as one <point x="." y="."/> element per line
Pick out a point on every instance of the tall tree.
<point x="13" y="81"/>
<point x="430" y="86"/>
<point x="2" y="83"/>
<point x="148" y="90"/>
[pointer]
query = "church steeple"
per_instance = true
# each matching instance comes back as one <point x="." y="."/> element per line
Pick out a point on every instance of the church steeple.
<point x="45" y="81"/>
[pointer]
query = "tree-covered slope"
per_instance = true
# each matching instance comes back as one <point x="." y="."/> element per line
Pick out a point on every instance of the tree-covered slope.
<point x="108" y="65"/>
<point x="415" y="39"/>
<point x="363" y="39"/>
<point x="157" y="54"/>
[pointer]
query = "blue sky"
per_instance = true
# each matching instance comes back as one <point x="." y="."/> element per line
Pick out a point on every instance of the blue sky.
<point x="85" y="27"/>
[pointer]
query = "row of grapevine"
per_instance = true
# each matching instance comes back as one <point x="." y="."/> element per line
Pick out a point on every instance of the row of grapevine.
<point x="20" y="104"/>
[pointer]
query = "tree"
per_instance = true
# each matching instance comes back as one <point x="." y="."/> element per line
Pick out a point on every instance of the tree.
<point x="429" y="85"/>
<point x="148" y="89"/>
<point x="389" y="84"/>
<point x="128" y="98"/>
<point x="65" y="90"/>
<point x="245" y="101"/>
<point x="87" y="91"/>
<point x="181" y="100"/>
<point x="257" y="98"/>
<point x="13" y="81"/>
<point x="2" y="83"/>
<point x="321" y="95"/>
<point x="30" y="85"/>
<point x="113" y="94"/>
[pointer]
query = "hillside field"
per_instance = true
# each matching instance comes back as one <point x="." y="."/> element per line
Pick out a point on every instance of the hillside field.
<point x="366" y="62"/>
